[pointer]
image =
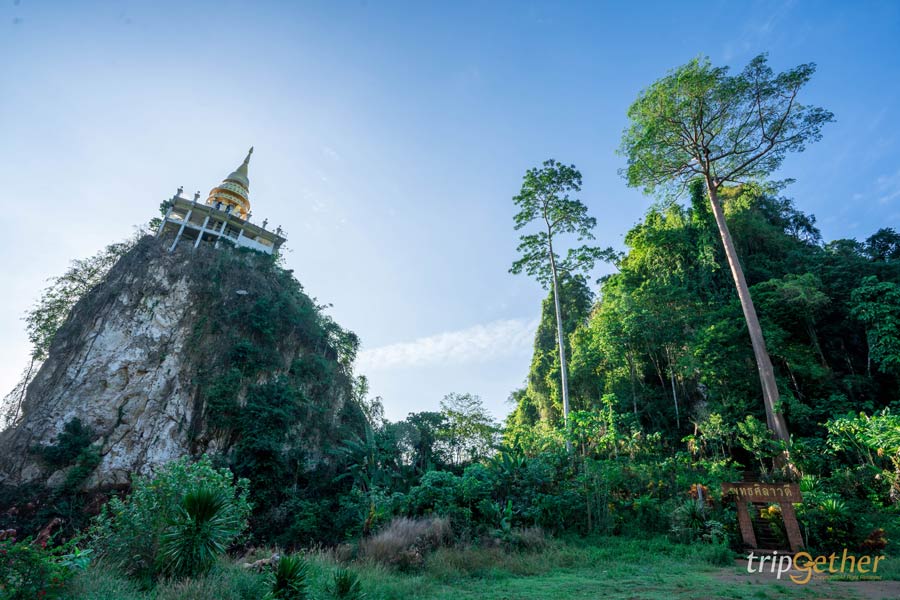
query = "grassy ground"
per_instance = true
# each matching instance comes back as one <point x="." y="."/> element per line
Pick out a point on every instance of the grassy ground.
<point x="604" y="568"/>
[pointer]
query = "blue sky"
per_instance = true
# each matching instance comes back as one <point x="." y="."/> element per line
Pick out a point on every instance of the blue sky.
<point x="390" y="138"/>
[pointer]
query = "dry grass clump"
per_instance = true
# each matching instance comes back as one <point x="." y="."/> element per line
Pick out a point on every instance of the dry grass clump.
<point x="532" y="539"/>
<point x="404" y="542"/>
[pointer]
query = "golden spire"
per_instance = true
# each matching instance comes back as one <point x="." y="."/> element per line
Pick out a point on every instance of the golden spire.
<point x="242" y="170"/>
<point x="234" y="191"/>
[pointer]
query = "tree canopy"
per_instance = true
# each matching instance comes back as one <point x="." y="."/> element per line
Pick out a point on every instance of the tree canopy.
<point x="700" y="121"/>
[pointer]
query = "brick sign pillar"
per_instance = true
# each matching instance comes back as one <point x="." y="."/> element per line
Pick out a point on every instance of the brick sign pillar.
<point x="783" y="494"/>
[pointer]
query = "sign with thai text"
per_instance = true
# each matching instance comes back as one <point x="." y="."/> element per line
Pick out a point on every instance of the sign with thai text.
<point x="783" y="494"/>
<point x="764" y="492"/>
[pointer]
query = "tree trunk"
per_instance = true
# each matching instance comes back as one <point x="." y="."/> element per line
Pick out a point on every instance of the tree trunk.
<point x="633" y="393"/>
<point x="814" y="338"/>
<point x="771" y="398"/>
<point x="674" y="393"/>
<point x="564" y="374"/>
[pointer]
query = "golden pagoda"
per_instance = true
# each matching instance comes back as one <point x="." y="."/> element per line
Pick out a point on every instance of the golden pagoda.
<point x="224" y="218"/>
<point x="234" y="191"/>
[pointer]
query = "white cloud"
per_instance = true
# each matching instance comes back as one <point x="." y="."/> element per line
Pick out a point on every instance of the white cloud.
<point x="478" y="344"/>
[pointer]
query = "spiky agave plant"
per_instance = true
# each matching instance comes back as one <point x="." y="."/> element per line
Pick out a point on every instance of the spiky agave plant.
<point x="689" y="521"/>
<point x="200" y="532"/>
<point x="289" y="579"/>
<point x="834" y="508"/>
<point x="346" y="585"/>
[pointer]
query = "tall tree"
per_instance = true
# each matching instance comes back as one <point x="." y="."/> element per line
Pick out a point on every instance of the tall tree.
<point x="700" y="122"/>
<point x="883" y="245"/>
<point x="545" y="199"/>
<point x="468" y="430"/>
<point x="877" y="305"/>
<point x="425" y="453"/>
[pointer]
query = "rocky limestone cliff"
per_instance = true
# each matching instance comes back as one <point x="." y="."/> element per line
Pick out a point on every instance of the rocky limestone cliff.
<point x="162" y="358"/>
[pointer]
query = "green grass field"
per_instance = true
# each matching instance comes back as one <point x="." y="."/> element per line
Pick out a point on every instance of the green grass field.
<point x="575" y="570"/>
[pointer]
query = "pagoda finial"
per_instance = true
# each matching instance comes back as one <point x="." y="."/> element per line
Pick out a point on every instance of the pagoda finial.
<point x="243" y="168"/>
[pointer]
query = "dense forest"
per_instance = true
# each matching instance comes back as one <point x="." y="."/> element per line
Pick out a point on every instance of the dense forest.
<point x="666" y="337"/>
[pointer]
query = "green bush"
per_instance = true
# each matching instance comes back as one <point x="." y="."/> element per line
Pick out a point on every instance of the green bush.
<point x="345" y="584"/>
<point x="199" y="533"/>
<point x="136" y="534"/>
<point x="29" y="571"/>
<point x="438" y="492"/>
<point x="692" y="522"/>
<point x="74" y="438"/>
<point x="829" y="524"/>
<point x="289" y="579"/>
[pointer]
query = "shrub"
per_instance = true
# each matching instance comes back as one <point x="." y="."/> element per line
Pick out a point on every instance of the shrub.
<point x="345" y="584"/>
<point x="692" y="522"/>
<point x="527" y="538"/>
<point x="74" y="438"/>
<point x="130" y="533"/>
<point x="404" y="541"/>
<point x="29" y="571"/>
<point x="289" y="579"/>
<point x="829" y="524"/>
<point x="199" y="533"/>
<point x="875" y="542"/>
<point x="438" y="493"/>
<point x="873" y="441"/>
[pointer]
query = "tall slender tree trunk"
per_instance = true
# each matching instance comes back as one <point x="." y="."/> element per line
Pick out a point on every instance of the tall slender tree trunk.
<point x="564" y="372"/>
<point x="771" y="398"/>
<point x="633" y="392"/>
<point x="674" y="393"/>
<point x="814" y="338"/>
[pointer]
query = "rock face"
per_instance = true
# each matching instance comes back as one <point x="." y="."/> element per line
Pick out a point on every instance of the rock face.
<point x="138" y="354"/>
